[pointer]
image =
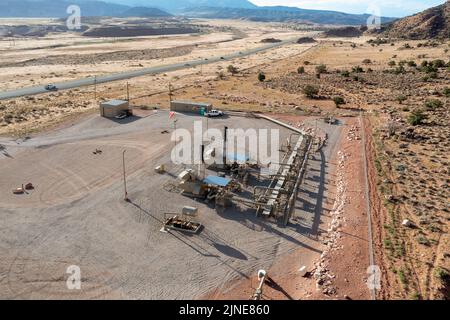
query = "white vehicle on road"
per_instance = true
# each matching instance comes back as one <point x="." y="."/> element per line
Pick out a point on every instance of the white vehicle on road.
<point x="214" y="113"/>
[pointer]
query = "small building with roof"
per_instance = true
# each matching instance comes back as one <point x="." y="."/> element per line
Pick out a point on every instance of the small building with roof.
<point x="113" y="108"/>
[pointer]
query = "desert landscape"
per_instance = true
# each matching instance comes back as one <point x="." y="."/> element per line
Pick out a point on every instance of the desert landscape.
<point x="370" y="110"/>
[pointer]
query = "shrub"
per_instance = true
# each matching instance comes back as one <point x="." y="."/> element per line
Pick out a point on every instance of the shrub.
<point x="446" y="92"/>
<point x="301" y="70"/>
<point x="422" y="240"/>
<point x="400" y="99"/>
<point x="261" y="77"/>
<point x="367" y="61"/>
<point x="232" y="69"/>
<point x="428" y="67"/>
<point x="416" y="117"/>
<point x="433" y="104"/>
<point x="321" y="69"/>
<point x="338" y="101"/>
<point x="306" y="63"/>
<point x="345" y="74"/>
<point x="438" y="63"/>
<point x="310" y="91"/>
<point x="412" y="64"/>
<point x="442" y="274"/>
<point x="433" y="75"/>
<point x="399" y="70"/>
<point x="357" y="69"/>
<point x="392" y="63"/>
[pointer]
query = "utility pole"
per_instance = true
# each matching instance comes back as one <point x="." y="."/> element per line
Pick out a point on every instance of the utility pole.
<point x="170" y="94"/>
<point x="128" y="92"/>
<point x="95" y="89"/>
<point x="175" y="130"/>
<point x="124" y="177"/>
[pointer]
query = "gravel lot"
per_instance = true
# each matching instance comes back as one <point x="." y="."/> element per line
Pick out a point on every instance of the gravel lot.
<point x="76" y="216"/>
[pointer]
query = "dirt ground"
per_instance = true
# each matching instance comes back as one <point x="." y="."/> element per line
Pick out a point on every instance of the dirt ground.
<point x="76" y="216"/>
<point x="57" y="57"/>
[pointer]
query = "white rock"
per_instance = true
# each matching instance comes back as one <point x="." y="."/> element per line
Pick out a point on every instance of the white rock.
<point x="302" y="271"/>
<point x="406" y="223"/>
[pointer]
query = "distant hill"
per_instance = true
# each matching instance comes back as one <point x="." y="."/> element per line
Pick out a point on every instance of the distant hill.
<point x="429" y="24"/>
<point x="224" y="9"/>
<point x="145" y="12"/>
<point x="57" y="9"/>
<point x="280" y="13"/>
<point x="178" y="6"/>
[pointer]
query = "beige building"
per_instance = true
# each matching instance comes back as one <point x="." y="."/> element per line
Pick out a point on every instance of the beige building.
<point x="110" y="109"/>
<point x="189" y="106"/>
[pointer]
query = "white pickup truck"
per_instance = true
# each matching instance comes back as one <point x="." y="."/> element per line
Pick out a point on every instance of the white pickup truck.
<point x="214" y="113"/>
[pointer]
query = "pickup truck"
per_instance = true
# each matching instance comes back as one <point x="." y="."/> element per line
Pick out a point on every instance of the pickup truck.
<point x="214" y="113"/>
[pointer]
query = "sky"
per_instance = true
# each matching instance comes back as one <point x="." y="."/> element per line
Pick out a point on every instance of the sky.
<point x="387" y="8"/>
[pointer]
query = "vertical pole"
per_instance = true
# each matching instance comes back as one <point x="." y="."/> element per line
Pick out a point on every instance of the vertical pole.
<point x="128" y="92"/>
<point x="124" y="177"/>
<point x="175" y="132"/>
<point x="225" y="139"/>
<point x="203" y="161"/>
<point x="95" y="89"/>
<point x="170" y="93"/>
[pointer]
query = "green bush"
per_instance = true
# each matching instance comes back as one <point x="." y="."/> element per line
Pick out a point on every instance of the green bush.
<point x="357" y="69"/>
<point x="446" y="92"/>
<point x="433" y="75"/>
<point x="422" y="240"/>
<point x="261" y="77"/>
<point x="321" y="69"/>
<point x="345" y="74"/>
<point x="428" y="68"/>
<point x="416" y="117"/>
<point x="438" y="63"/>
<point x="399" y="70"/>
<point x="400" y="99"/>
<point x="301" y="70"/>
<point x="338" y="101"/>
<point x="433" y="104"/>
<point x="392" y="63"/>
<point x="310" y="91"/>
<point x="442" y="274"/>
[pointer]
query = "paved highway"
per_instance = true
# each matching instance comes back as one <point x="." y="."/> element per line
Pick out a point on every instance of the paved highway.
<point x="137" y="73"/>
